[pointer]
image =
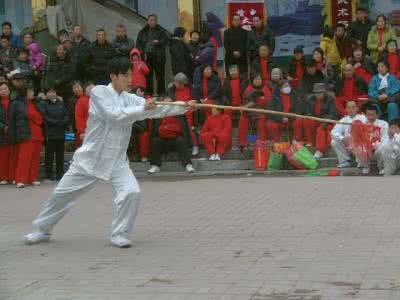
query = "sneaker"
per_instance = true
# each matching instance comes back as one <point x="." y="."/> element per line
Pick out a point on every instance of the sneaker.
<point x="36" y="183"/>
<point x="154" y="170"/>
<point x="382" y="172"/>
<point x="120" y="242"/>
<point x="20" y="185"/>
<point x="195" y="150"/>
<point x="36" y="237"/>
<point x="189" y="168"/>
<point x="144" y="159"/>
<point x="365" y="171"/>
<point x="217" y="157"/>
<point x="318" y="155"/>
<point x="3" y="182"/>
<point x="212" y="157"/>
<point x="345" y="164"/>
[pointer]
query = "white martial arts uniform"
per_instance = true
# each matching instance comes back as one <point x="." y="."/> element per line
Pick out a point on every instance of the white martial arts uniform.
<point x="380" y="135"/>
<point x="340" y="133"/>
<point x="390" y="152"/>
<point x="103" y="156"/>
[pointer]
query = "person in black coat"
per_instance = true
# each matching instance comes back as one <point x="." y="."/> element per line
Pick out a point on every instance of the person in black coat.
<point x="233" y="87"/>
<point x="100" y="53"/>
<point x="151" y="41"/>
<point x="235" y="43"/>
<point x="122" y="44"/>
<point x="359" y="29"/>
<point x="260" y="35"/>
<point x="310" y="77"/>
<point x="180" y="54"/>
<point x="262" y="63"/>
<point x="209" y="86"/>
<point x="80" y="51"/>
<point x="296" y="67"/>
<point x="55" y="122"/>
<point x="60" y="73"/>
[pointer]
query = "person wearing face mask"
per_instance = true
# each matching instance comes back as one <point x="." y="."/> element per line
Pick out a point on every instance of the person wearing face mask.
<point x="55" y="122"/>
<point x="349" y="86"/>
<point x="319" y="104"/>
<point x="286" y="100"/>
<point x="384" y="90"/>
<point x="26" y="132"/>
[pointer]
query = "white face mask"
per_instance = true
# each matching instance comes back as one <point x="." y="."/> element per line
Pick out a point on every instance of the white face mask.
<point x="286" y="90"/>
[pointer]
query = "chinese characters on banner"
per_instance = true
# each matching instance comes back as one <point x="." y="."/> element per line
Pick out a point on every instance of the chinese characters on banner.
<point x="342" y="11"/>
<point x="246" y="10"/>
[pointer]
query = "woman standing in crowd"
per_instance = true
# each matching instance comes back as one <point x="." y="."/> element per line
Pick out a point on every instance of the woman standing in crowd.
<point x="6" y="149"/>
<point x="392" y="56"/>
<point x="378" y="37"/>
<point x="25" y="130"/>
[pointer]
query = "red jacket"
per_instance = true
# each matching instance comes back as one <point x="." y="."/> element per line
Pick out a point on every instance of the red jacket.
<point x="81" y="114"/>
<point x="262" y="101"/>
<point x="140" y="70"/>
<point x="170" y="127"/>
<point x="35" y="122"/>
<point x="220" y="125"/>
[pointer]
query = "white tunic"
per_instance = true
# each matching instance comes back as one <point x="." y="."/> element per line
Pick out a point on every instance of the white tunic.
<point x="341" y="131"/>
<point x="109" y="127"/>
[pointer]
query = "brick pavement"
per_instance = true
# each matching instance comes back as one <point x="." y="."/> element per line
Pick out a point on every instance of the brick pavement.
<point x="214" y="238"/>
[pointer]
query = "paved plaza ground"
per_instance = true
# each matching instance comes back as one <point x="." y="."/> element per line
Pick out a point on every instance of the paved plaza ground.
<point x="258" y="238"/>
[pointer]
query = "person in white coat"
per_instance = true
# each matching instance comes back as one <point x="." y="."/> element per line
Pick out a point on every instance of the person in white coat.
<point x="390" y="149"/>
<point x="380" y="131"/>
<point x="341" y="134"/>
<point x="102" y="156"/>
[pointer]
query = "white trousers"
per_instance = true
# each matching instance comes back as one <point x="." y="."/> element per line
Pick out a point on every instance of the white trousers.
<point x="126" y="199"/>
<point x="392" y="165"/>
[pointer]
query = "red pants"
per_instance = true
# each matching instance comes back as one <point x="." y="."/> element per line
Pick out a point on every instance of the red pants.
<point x="244" y="123"/>
<point x="317" y="135"/>
<point x="144" y="143"/>
<point x="274" y="129"/>
<point x="8" y="155"/>
<point x="27" y="170"/>
<point x="215" y="143"/>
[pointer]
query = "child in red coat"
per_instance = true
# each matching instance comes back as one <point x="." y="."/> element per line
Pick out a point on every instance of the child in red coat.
<point x="140" y="69"/>
<point x="82" y="114"/>
<point x="216" y="134"/>
<point x="263" y="95"/>
<point x="393" y="58"/>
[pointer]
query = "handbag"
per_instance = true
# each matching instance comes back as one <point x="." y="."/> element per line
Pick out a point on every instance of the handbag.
<point x="275" y="161"/>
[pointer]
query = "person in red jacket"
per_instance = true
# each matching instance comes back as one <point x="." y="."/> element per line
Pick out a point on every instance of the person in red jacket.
<point x="7" y="151"/>
<point x="25" y="130"/>
<point x="393" y="58"/>
<point x="140" y="69"/>
<point x="233" y="89"/>
<point x="363" y="67"/>
<point x="216" y="134"/>
<point x="262" y="63"/>
<point x="349" y="86"/>
<point x="82" y="114"/>
<point x="258" y="95"/>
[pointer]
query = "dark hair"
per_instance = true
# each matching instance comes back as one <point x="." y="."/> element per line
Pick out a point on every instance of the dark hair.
<point x="5" y="37"/>
<point x="152" y="15"/>
<point x="371" y="106"/>
<point x="362" y="8"/>
<point x="76" y="25"/>
<point x="392" y="41"/>
<point x="62" y="32"/>
<point x="121" y="26"/>
<point x="311" y="63"/>
<point x="256" y="16"/>
<point x="100" y="30"/>
<point x="119" y="65"/>
<point x="77" y="82"/>
<point x="28" y="33"/>
<point x="235" y="15"/>
<point x="179" y="32"/>
<point x="23" y="90"/>
<point x="23" y="50"/>
<point x="319" y="50"/>
<point x="328" y="32"/>
<point x="385" y="62"/>
<point x="341" y="25"/>
<point x="6" y="23"/>
<point x="254" y="76"/>
<point x="50" y="87"/>
<point x="395" y="122"/>
<point x="381" y="16"/>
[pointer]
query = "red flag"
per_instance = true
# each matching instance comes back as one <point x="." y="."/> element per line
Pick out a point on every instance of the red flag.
<point x="246" y="10"/>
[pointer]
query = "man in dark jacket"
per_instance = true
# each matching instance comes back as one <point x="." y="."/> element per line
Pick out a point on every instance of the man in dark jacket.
<point x="122" y="44"/>
<point x="343" y="41"/>
<point x="310" y="77"/>
<point x="60" y="73"/>
<point x="14" y="38"/>
<point x="7" y="55"/>
<point x="151" y="41"/>
<point x="260" y="35"/>
<point x="55" y="121"/>
<point x="80" y="51"/>
<point x="359" y="29"/>
<point x="235" y="42"/>
<point x="180" y="55"/>
<point x="100" y="53"/>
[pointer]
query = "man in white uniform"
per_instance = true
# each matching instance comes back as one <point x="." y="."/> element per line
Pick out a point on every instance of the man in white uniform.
<point x="103" y="156"/>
